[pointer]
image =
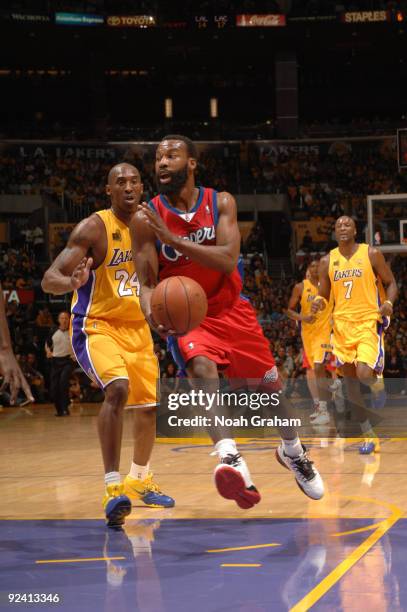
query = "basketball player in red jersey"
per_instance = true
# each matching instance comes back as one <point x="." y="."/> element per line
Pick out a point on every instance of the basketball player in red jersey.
<point x="193" y="231"/>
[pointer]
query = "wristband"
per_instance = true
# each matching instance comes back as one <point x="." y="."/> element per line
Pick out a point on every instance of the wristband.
<point x="388" y="302"/>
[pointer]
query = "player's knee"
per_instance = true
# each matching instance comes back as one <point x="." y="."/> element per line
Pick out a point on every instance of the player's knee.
<point x="319" y="370"/>
<point x="116" y="393"/>
<point x="365" y="374"/>
<point x="202" y="367"/>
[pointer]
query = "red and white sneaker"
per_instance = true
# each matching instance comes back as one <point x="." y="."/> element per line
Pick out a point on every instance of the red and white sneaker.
<point x="321" y="418"/>
<point x="232" y="479"/>
<point x="316" y="411"/>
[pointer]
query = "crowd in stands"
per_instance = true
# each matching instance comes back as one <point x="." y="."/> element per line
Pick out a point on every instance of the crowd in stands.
<point x="319" y="180"/>
<point x="326" y="185"/>
<point x="82" y="182"/>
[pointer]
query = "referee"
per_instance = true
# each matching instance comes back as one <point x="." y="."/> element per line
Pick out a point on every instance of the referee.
<point x="58" y="349"/>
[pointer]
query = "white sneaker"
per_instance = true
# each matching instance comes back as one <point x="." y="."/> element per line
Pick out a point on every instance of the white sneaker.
<point x="321" y="418"/>
<point x="336" y="384"/>
<point x="233" y="481"/>
<point x="315" y="413"/>
<point x="306" y="474"/>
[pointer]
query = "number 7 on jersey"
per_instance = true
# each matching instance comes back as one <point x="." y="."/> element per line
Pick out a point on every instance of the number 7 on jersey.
<point x="349" y="286"/>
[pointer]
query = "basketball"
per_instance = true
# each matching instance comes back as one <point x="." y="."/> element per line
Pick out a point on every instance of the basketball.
<point x="179" y="303"/>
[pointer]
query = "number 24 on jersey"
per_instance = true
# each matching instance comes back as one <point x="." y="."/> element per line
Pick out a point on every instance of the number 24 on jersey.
<point x="128" y="285"/>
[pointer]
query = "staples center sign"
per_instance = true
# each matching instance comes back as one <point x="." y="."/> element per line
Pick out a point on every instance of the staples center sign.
<point x="260" y="21"/>
<point x="131" y="21"/>
<point x="364" y="17"/>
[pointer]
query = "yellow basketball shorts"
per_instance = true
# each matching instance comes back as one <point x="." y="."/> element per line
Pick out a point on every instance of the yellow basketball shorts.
<point x="317" y="346"/>
<point x="359" y="342"/>
<point x="113" y="350"/>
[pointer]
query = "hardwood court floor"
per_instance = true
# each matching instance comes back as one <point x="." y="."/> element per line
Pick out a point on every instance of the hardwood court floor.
<point x="288" y="553"/>
<point x="52" y="468"/>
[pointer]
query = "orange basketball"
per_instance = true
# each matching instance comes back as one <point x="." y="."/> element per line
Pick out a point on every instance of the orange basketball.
<point x="179" y="303"/>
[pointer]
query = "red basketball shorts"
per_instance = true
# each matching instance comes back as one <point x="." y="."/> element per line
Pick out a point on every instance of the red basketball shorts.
<point x="235" y="342"/>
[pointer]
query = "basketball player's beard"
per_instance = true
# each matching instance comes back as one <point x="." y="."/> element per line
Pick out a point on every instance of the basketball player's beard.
<point x="178" y="181"/>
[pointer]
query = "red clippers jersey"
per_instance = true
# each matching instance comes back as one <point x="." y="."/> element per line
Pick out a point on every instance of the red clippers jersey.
<point x="198" y="225"/>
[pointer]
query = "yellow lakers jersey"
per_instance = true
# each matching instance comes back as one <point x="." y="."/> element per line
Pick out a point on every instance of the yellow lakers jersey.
<point x="309" y="293"/>
<point x="112" y="291"/>
<point x="354" y="285"/>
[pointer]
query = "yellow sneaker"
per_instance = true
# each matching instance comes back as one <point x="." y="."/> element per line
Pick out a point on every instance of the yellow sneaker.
<point x="147" y="491"/>
<point x="116" y="505"/>
<point x="371" y="444"/>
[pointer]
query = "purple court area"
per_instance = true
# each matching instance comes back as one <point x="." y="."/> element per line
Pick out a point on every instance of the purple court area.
<point x="165" y="565"/>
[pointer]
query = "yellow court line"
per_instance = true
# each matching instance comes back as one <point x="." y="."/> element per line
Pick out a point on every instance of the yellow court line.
<point x="340" y="570"/>
<point x="220" y="550"/>
<point x="240" y="565"/>
<point x="360" y="530"/>
<point x="80" y="560"/>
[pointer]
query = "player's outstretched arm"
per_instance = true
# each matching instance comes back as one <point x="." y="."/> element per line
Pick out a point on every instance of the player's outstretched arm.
<point x="145" y="259"/>
<point x="70" y="270"/>
<point x="382" y="269"/>
<point x="324" y="286"/>
<point x="224" y="255"/>
<point x="9" y="368"/>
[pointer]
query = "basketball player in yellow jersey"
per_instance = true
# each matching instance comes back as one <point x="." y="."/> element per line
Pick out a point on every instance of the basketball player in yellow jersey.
<point x="315" y="335"/>
<point x="111" y="339"/>
<point x="351" y="273"/>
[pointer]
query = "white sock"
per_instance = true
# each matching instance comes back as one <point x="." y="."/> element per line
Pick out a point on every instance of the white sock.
<point x="224" y="447"/>
<point x="316" y="403"/>
<point x="140" y="472"/>
<point x="366" y="426"/>
<point x="323" y="406"/>
<point x="292" y="448"/>
<point x="112" y="478"/>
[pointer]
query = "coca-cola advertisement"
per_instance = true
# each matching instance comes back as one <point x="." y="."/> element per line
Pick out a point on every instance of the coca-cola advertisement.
<point x="260" y="21"/>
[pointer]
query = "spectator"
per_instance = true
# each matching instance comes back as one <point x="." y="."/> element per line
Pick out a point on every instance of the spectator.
<point x="38" y="241"/>
<point x="169" y="379"/>
<point x="59" y="350"/>
<point x="394" y="370"/>
<point x="44" y="318"/>
<point x="34" y="378"/>
<point x="306" y="242"/>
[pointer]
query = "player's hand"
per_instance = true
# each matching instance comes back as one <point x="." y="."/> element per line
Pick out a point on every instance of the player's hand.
<point x="13" y="376"/>
<point x="163" y="332"/>
<point x="308" y="319"/>
<point x="80" y="275"/>
<point x="157" y="224"/>
<point x="317" y="306"/>
<point x="386" y="310"/>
